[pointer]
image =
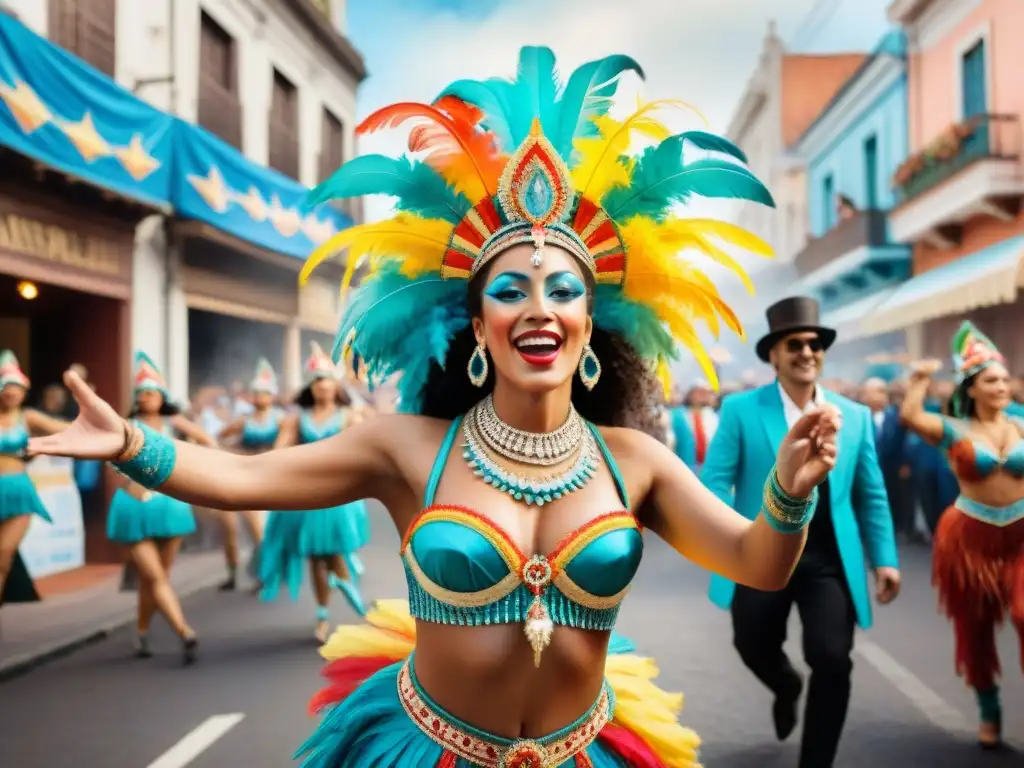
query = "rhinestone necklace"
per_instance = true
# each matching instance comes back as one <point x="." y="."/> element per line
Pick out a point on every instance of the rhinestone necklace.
<point x="537" y="448"/>
<point x="533" y="490"/>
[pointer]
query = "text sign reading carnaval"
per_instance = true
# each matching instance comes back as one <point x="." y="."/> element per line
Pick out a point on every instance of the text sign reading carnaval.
<point x="56" y="244"/>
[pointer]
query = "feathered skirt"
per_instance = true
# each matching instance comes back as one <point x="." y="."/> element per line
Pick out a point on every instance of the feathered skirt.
<point x="290" y="538"/>
<point x="18" y="496"/>
<point x="978" y="570"/>
<point x="375" y="713"/>
<point x="132" y="519"/>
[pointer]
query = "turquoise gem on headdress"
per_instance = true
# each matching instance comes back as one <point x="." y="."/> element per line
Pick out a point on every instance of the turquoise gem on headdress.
<point x="538" y="195"/>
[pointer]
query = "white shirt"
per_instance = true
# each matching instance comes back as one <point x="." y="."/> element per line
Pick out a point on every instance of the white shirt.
<point x="708" y="419"/>
<point x="793" y="412"/>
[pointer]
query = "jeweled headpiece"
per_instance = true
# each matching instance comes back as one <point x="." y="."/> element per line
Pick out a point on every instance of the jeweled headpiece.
<point x="147" y="377"/>
<point x="973" y="351"/>
<point x="529" y="161"/>
<point x="10" y="371"/>
<point x="265" y="379"/>
<point x="319" y="365"/>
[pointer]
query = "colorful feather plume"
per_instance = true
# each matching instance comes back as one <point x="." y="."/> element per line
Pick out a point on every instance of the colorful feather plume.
<point x="473" y="145"/>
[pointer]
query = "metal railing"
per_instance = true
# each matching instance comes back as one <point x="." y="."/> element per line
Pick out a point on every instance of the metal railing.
<point x="864" y="228"/>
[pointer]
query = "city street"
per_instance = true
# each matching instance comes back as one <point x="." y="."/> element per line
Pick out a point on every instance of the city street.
<point x="244" y="703"/>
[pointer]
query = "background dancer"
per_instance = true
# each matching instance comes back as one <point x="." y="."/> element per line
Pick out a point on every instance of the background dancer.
<point x="151" y="524"/>
<point x="506" y="296"/>
<point x="323" y="537"/>
<point x="829" y="585"/>
<point x="256" y="432"/>
<point x="978" y="547"/>
<point x="18" y="497"/>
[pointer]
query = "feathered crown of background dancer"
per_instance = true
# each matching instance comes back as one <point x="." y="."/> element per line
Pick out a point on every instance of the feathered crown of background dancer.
<point x="525" y="162"/>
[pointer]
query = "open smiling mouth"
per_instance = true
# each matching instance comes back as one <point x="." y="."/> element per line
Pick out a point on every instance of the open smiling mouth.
<point x="539" y="347"/>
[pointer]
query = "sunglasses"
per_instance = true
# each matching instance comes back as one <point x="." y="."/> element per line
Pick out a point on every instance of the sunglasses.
<point x="795" y="346"/>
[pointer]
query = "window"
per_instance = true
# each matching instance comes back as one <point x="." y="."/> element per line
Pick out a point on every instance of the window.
<point x="86" y="28"/>
<point x="974" y="90"/>
<point x="871" y="173"/>
<point x="284" y="126"/>
<point x="220" y="111"/>
<point x="332" y="144"/>
<point x="828" y="203"/>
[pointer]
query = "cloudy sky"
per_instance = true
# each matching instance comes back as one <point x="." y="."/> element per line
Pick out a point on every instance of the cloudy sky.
<point x="700" y="51"/>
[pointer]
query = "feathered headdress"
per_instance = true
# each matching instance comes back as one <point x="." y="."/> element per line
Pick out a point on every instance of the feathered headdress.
<point x="972" y="351"/>
<point x="265" y="379"/>
<point x="530" y="161"/>
<point x="147" y="377"/>
<point x="319" y="365"/>
<point x="10" y="371"/>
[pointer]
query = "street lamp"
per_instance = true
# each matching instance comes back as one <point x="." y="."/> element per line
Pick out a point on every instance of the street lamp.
<point x="27" y="290"/>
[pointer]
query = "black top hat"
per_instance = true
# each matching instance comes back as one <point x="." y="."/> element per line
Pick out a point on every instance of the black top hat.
<point x="795" y="314"/>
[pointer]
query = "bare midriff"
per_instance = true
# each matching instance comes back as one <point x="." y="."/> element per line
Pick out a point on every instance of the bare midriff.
<point x="1000" y="489"/>
<point x="11" y="465"/>
<point x="485" y="676"/>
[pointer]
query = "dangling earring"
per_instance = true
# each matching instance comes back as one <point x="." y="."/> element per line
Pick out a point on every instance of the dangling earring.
<point x="477" y="367"/>
<point x="590" y="368"/>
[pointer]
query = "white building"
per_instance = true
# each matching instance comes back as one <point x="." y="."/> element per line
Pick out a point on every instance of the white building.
<point x="275" y="78"/>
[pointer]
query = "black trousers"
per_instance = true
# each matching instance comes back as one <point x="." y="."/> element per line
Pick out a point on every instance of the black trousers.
<point x="828" y="617"/>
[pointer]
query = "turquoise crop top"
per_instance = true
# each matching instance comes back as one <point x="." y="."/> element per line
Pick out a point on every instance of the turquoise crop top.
<point x="310" y="431"/>
<point x="14" y="439"/>
<point x="973" y="460"/>
<point x="462" y="569"/>
<point x="260" y="434"/>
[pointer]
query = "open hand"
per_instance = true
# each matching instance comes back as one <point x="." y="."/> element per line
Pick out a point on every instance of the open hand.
<point x="925" y="369"/>
<point x="808" y="452"/>
<point x="97" y="433"/>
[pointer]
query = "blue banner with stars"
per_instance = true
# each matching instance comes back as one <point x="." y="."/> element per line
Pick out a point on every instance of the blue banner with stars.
<point x="216" y="184"/>
<point x="60" y="111"/>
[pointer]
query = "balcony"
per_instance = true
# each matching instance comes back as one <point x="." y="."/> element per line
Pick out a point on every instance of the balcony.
<point x="971" y="169"/>
<point x="220" y="111"/>
<point x="284" y="149"/>
<point x="864" y="229"/>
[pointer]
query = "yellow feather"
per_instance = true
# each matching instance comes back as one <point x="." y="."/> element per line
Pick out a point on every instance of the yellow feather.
<point x="664" y="374"/>
<point x="694" y="233"/>
<point x="419" y="242"/>
<point x="599" y="168"/>
<point x="464" y="176"/>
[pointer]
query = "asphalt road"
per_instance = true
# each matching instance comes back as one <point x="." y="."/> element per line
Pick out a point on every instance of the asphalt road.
<point x="244" y="703"/>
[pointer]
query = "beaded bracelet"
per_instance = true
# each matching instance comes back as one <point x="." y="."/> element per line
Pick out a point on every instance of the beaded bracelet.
<point x="148" y="458"/>
<point x="785" y="513"/>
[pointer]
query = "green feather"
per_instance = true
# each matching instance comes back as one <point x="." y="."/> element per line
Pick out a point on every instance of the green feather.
<point x="419" y="188"/>
<point x="588" y="94"/>
<point x="635" y="322"/>
<point x="713" y="143"/>
<point x="660" y="179"/>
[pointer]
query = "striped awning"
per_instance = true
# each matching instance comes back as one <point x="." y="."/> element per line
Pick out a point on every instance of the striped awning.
<point x="985" y="278"/>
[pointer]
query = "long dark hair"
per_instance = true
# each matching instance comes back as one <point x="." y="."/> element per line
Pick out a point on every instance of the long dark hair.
<point x="961" y="405"/>
<point x="624" y="396"/>
<point x="305" y="398"/>
<point x="167" y="408"/>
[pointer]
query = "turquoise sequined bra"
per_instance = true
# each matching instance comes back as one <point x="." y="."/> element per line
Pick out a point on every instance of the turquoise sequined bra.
<point x="260" y="434"/>
<point x="462" y="569"/>
<point x="310" y="431"/>
<point x="14" y="439"/>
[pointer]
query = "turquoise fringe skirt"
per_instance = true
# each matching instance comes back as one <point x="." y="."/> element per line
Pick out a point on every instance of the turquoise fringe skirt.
<point x="371" y="727"/>
<point x="291" y="538"/>
<point x="132" y="520"/>
<point x="18" y="496"/>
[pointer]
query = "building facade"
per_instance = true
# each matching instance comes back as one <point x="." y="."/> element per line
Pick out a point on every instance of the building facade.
<point x="274" y="80"/>
<point x="961" y="188"/>
<point x="784" y="95"/>
<point x="851" y="151"/>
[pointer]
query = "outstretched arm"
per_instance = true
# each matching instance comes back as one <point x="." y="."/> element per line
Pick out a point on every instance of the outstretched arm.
<point x="912" y="413"/>
<point x="39" y="423"/>
<point x="353" y="465"/>
<point x="701" y="527"/>
<point x="231" y="430"/>
<point x="192" y="431"/>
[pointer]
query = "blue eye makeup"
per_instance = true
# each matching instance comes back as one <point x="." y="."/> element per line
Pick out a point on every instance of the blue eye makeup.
<point x="508" y="287"/>
<point x="564" y="287"/>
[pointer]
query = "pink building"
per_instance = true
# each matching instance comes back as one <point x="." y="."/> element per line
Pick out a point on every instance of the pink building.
<point x="961" y="189"/>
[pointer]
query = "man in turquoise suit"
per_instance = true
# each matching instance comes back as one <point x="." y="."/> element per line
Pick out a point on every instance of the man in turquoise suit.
<point x="852" y="522"/>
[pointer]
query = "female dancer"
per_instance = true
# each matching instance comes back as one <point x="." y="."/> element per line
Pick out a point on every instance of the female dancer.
<point x="18" y="497"/>
<point x="326" y="536"/>
<point x="978" y="548"/>
<point x="525" y="306"/>
<point x="258" y="433"/>
<point x="153" y="524"/>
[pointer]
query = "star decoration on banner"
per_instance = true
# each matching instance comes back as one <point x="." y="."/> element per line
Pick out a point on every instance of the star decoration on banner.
<point x="286" y="220"/>
<point x="86" y="138"/>
<point x="32" y="113"/>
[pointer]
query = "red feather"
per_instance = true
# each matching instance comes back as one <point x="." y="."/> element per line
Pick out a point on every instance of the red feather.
<point x="345" y="675"/>
<point x="449" y="135"/>
<point x="631" y="748"/>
